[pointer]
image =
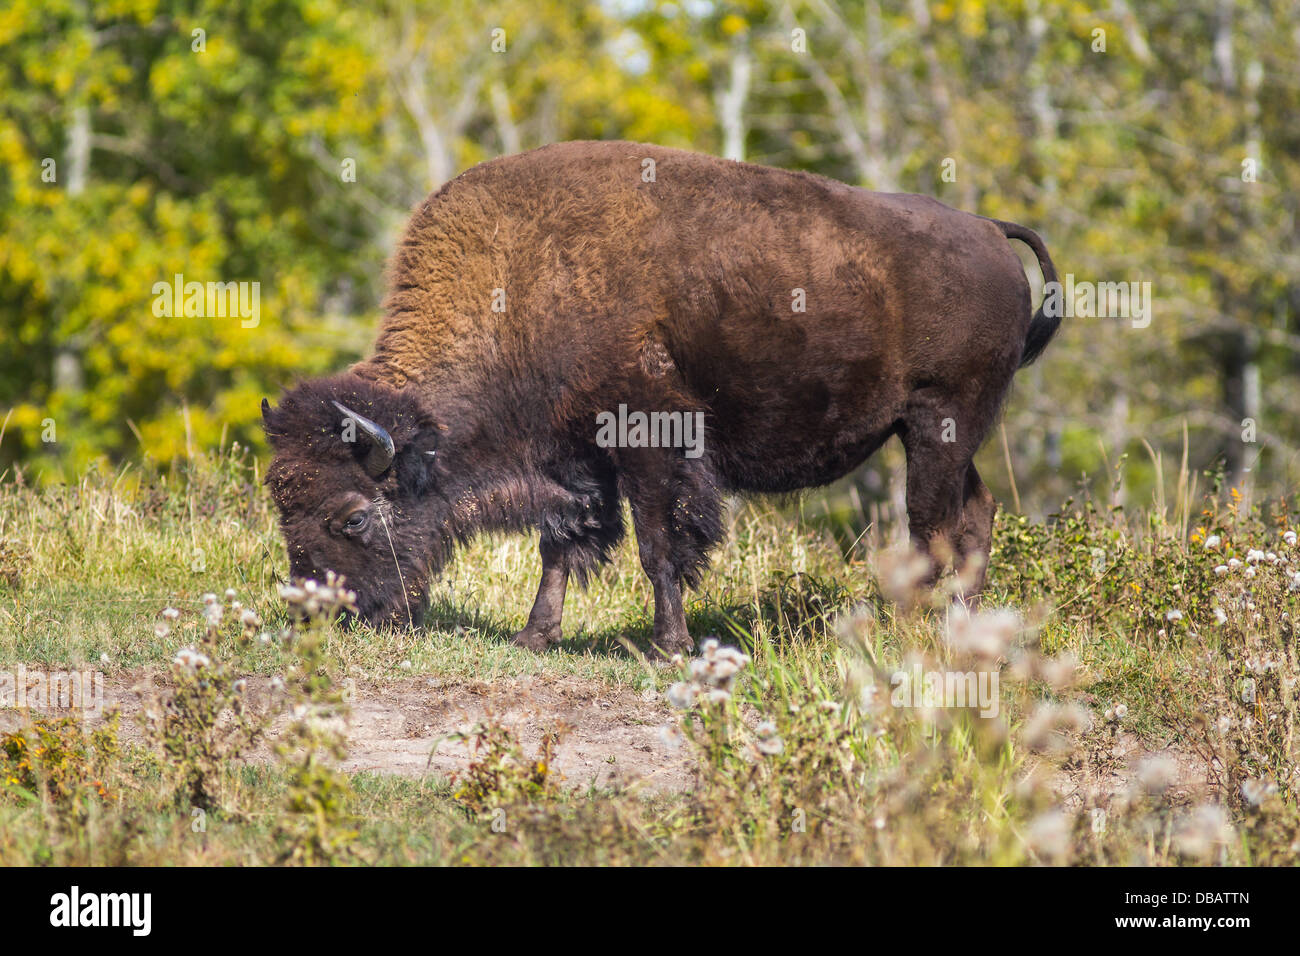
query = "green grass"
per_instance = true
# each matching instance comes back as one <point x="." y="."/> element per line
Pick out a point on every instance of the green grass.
<point x="86" y="570"/>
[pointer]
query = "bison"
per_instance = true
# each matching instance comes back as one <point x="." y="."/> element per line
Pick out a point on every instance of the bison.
<point x="799" y="321"/>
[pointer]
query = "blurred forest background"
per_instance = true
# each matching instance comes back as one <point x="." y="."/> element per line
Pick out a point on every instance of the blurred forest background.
<point x="285" y="142"/>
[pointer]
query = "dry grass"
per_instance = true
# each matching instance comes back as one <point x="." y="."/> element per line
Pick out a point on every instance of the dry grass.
<point x="1144" y="712"/>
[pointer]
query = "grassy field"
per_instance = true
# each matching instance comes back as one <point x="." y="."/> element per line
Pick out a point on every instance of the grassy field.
<point x="1142" y="667"/>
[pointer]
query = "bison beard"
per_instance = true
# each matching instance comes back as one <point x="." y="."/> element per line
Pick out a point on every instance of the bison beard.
<point x="806" y="320"/>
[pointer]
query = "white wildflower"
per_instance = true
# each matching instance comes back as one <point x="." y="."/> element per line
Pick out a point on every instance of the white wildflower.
<point x="724" y="671"/>
<point x="1157" y="773"/>
<point x="986" y="634"/>
<point x="1203" y="831"/>
<point x="1256" y="792"/>
<point x="1048" y="835"/>
<point x="671" y="736"/>
<point x="681" y="695"/>
<point x="212" y="614"/>
<point x="190" y="659"/>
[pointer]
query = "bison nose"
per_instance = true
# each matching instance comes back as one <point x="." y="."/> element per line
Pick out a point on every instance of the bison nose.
<point x="312" y="565"/>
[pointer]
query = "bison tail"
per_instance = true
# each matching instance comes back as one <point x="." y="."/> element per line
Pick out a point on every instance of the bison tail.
<point x="1043" y="326"/>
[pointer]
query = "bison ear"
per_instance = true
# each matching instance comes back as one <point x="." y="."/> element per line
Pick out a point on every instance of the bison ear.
<point x="266" y="412"/>
<point x="417" y="463"/>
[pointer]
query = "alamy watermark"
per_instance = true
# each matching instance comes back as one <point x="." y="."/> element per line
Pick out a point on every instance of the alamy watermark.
<point x="212" y="300"/>
<point x="74" y="908"/>
<point x="1098" y="300"/>
<point x="941" y="690"/>
<point x="53" y="690"/>
<point x="626" y="429"/>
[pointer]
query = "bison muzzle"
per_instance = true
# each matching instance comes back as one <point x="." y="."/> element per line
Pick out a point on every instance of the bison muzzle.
<point x="558" y="320"/>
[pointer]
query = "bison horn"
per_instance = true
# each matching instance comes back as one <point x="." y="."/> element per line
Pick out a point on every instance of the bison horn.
<point x="380" y="456"/>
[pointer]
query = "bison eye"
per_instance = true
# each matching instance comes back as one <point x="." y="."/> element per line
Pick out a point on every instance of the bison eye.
<point x="356" y="521"/>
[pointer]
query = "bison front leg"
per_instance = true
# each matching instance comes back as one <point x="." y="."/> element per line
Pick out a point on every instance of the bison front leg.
<point x="580" y="530"/>
<point x="543" y="628"/>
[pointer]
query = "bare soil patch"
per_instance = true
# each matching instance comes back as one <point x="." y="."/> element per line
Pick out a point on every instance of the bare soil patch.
<point x="609" y="736"/>
<point x="1189" y="778"/>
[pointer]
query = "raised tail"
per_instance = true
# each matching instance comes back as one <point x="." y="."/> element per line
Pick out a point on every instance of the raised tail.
<point x="1043" y="326"/>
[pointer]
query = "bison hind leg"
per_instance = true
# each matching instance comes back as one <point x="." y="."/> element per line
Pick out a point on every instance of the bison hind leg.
<point x="696" y="523"/>
<point x="949" y="509"/>
<point x="677" y="513"/>
<point x="975" y="536"/>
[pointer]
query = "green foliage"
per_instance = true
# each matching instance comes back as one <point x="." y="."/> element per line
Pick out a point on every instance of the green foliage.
<point x="203" y="725"/>
<point x="59" y="763"/>
<point x="183" y="172"/>
<point x="1123" y="733"/>
<point x="232" y="159"/>
<point x="288" y="146"/>
<point x="498" y="775"/>
<point x="317" y="828"/>
<point x="274" y="147"/>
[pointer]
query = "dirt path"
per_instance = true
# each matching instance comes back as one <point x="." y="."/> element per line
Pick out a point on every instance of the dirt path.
<point x="1186" y="772"/>
<point x="610" y="736"/>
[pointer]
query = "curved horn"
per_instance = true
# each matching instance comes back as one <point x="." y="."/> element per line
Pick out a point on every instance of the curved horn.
<point x="380" y="456"/>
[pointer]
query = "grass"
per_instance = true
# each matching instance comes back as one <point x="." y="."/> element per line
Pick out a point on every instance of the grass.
<point x="1146" y="703"/>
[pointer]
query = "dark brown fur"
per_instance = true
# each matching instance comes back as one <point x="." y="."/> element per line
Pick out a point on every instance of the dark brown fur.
<point x="671" y="295"/>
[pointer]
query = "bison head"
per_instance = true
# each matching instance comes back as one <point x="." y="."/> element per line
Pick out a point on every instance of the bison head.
<point x="355" y="481"/>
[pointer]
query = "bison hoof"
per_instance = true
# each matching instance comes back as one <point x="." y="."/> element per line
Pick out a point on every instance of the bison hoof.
<point x="537" y="638"/>
<point x="667" y="645"/>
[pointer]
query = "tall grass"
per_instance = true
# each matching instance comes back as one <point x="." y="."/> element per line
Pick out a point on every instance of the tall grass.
<point x="1145" y="707"/>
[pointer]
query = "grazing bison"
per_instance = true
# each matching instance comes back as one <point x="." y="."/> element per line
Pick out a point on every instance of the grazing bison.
<point x="538" y="298"/>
